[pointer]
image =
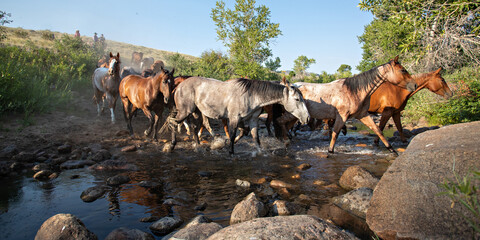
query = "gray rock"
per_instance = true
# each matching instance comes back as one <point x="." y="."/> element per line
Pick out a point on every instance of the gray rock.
<point x="101" y="155"/>
<point x="249" y="208"/>
<point x="111" y="165"/>
<point x="199" y="231"/>
<point x="41" y="166"/>
<point x="132" y="234"/>
<point x="165" y="225"/>
<point x="64" y="226"/>
<point x="118" y="180"/>
<point x="73" y="164"/>
<point x="42" y="175"/>
<point x="356" y="177"/>
<point x="64" y="149"/>
<point x="284" y="208"/>
<point x="8" y="152"/>
<point x="355" y="202"/>
<point x="24" y="157"/>
<point x="130" y="148"/>
<point x="406" y="202"/>
<point x="93" y="193"/>
<point x="197" y="220"/>
<point x="242" y="183"/>
<point x="283" y="227"/>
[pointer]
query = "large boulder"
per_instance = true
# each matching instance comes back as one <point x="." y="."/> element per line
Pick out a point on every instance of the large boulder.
<point x="355" y="202"/>
<point x="356" y="177"/>
<point x="125" y="233"/>
<point x="64" y="226"/>
<point x="283" y="227"/>
<point x="406" y="202"/>
<point x="199" y="228"/>
<point x="248" y="209"/>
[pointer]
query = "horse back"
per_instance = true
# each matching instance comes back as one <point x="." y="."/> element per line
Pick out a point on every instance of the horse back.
<point x="387" y="95"/>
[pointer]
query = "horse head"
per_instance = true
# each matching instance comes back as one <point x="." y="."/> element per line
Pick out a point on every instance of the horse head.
<point x="114" y="64"/>
<point x="398" y="75"/>
<point x="294" y="103"/>
<point x="166" y="83"/>
<point x="437" y="84"/>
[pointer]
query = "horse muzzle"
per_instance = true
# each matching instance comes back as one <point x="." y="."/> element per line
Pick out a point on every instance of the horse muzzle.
<point x="165" y="99"/>
<point x="411" y="86"/>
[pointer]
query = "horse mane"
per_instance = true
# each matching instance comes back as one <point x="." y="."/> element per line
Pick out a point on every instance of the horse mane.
<point x="362" y="81"/>
<point x="263" y="88"/>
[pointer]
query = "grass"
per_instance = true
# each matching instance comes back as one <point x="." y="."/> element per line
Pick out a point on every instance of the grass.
<point x="22" y="37"/>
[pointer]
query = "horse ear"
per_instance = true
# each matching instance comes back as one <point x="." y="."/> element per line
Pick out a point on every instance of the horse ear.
<point x="111" y="55"/>
<point x="396" y="59"/>
<point x="284" y="81"/>
<point x="118" y="55"/>
<point x="173" y="70"/>
<point x="438" y="70"/>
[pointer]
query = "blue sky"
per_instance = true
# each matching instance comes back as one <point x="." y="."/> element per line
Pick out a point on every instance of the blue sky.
<point x="324" y="30"/>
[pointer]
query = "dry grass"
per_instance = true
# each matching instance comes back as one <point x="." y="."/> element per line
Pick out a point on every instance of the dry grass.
<point x="17" y="37"/>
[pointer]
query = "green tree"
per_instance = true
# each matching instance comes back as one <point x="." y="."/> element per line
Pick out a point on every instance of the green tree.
<point x="246" y="31"/>
<point x="214" y="64"/>
<point x="273" y="65"/>
<point x="302" y="63"/>
<point x="344" y="71"/>
<point x="438" y="32"/>
<point x="182" y="65"/>
<point x="4" y="20"/>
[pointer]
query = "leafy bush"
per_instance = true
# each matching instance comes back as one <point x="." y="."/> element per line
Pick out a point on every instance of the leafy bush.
<point x="464" y="106"/>
<point x="48" y="35"/>
<point x="33" y="79"/>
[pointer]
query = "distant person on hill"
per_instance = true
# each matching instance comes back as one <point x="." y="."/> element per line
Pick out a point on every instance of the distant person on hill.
<point x="102" y="40"/>
<point x="77" y="33"/>
<point x="95" y="38"/>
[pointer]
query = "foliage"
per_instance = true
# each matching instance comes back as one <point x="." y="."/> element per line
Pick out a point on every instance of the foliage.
<point x="246" y="31"/>
<point x="302" y="63"/>
<point x="273" y="65"/>
<point x="214" y="64"/>
<point x="182" y="65"/>
<point x="4" y="20"/>
<point x="344" y="71"/>
<point x="33" y="79"/>
<point x="465" y="191"/>
<point x="436" y="32"/>
<point x="48" y="35"/>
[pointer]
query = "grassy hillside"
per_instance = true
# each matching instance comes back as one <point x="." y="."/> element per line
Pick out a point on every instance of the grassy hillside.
<point x="41" y="38"/>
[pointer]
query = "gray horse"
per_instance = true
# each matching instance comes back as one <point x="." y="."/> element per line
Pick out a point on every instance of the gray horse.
<point x="105" y="83"/>
<point x="239" y="100"/>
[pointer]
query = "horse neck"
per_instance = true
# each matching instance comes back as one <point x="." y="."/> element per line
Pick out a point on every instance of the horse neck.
<point x="265" y="99"/>
<point x="421" y="80"/>
<point x="156" y="83"/>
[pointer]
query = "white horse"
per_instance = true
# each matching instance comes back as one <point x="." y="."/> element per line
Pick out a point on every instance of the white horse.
<point x="105" y="83"/>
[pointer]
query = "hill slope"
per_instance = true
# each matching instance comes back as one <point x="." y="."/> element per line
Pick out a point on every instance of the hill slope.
<point x="20" y="37"/>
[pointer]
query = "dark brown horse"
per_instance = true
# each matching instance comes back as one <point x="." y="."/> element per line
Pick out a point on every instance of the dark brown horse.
<point x="350" y="97"/>
<point x="105" y="83"/>
<point x="390" y="100"/>
<point x="149" y="94"/>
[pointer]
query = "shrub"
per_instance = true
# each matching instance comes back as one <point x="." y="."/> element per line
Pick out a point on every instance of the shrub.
<point x="20" y="32"/>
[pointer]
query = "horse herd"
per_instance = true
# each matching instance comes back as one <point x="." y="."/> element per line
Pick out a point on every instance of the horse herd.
<point x="239" y="102"/>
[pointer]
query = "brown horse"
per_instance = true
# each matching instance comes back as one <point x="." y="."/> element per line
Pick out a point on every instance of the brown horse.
<point x="350" y="97"/>
<point x="149" y="94"/>
<point x="136" y="60"/>
<point x="390" y="100"/>
<point x="105" y="83"/>
<point x="103" y="62"/>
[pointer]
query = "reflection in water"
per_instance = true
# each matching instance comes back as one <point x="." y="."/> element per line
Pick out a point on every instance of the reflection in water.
<point x="180" y="182"/>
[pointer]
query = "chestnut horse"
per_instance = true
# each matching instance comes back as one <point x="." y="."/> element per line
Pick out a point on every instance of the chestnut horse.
<point x="149" y="94"/>
<point x="390" y="100"/>
<point x="105" y="83"/>
<point x="350" y="97"/>
<point x="240" y="100"/>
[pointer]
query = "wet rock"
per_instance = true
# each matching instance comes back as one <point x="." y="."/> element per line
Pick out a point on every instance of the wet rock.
<point x="407" y="133"/>
<point x="420" y="130"/>
<point x="406" y="202"/>
<point x="53" y="175"/>
<point x="205" y="174"/>
<point x="242" y="183"/>
<point x="64" y="226"/>
<point x="73" y="164"/>
<point x="42" y="175"/>
<point x="284" y="193"/>
<point x="296" y="176"/>
<point x="64" y="149"/>
<point x="41" y="166"/>
<point x="101" y="155"/>
<point x="356" y="177"/>
<point x="217" y="143"/>
<point x="8" y="152"/>
<point x="16" y="166"/>
<point x="355" y="202"/>
<point x="198" y="231"/>
<point x="284" y="208"/>
<point x="165" y="225"/>
<point x="281" y="152"/>
<point x="24" y="157"/>
<point x="283" y="227"/>
<point x="149" y="219"/>
<point x="167" y="148"/>
<point x="249" y="208"/>
<point x="118" y="180"/>
<point x="304" y="166"/>
<point x="201" y="207"/>
<point x="110" y="165"/>
<point x="154" y="187"/>
<point x="93" y="193"/>
<point x="58" y="160"/>
<point x="172" y="202"/>
<point x="319" y="182"/>
<point x="131" y="148"/>
<point x="280" y="184"/>
<point x="125" y="233"/>
<point x="75" y="176"/>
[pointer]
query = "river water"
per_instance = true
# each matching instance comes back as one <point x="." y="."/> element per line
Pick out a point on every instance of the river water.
<point x="191" y="178"/>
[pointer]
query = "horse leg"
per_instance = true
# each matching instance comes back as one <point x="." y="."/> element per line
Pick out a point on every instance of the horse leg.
<point x="97" y="97"/>
<point x="337" y="126"/>
<point x="111" y="104"/>
<point x="398" y="124"/>
<point x="225" y="127"/>
<point x="368" y="121"/>
<point x="386" y="114"/>
<point x="158" y="116"/>
<point x="151" y="121"/>
<point x="187" y="127"/>
<point x="282" y="121"/>
<point x="206" y="124"/>
<point x="241" y="131"/>
<point x="232" y="130"/>
<point x="268" y="123"/>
